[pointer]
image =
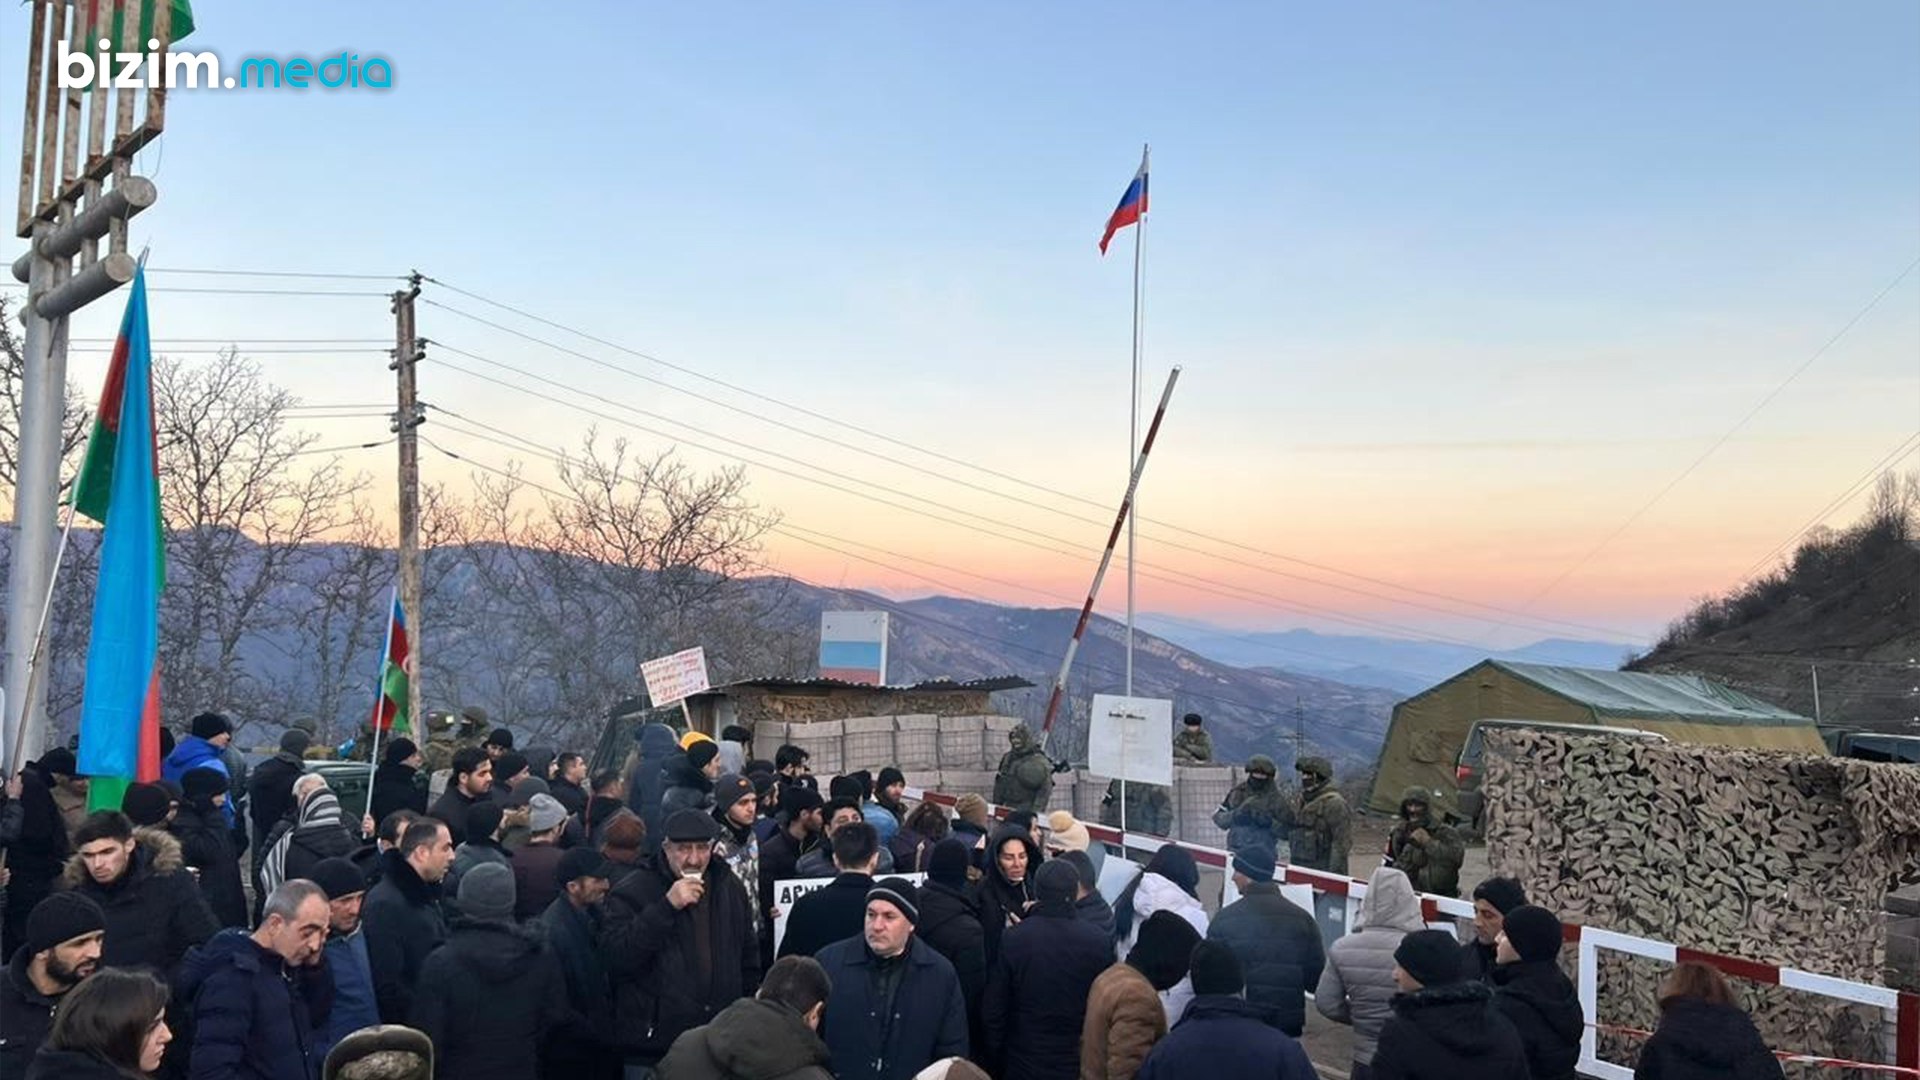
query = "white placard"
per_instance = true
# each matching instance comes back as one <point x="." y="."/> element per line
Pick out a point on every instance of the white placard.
<point x="672" y="679"/>
<point x="792" y="889"/>
<point x="1131" y="739"/>
<point x="1115" y="876"/>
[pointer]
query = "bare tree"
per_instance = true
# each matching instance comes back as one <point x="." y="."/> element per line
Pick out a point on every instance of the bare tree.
<point x="73" y="425"/>
<point x="334" y="623"/>
<point x="240" y="502"/>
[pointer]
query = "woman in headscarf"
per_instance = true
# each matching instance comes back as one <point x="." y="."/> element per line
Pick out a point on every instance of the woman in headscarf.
<point x="1171" y="882"/>
<point x="1005" y="893"/>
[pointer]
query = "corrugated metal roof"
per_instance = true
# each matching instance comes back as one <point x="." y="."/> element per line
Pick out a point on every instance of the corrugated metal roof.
<point x="1633" y="693"/>
<point x="1003" y="682"/>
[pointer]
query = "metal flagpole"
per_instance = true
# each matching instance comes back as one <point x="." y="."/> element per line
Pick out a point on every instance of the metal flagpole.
<point x="37" y="655"/>
<point x="379" y="696"/>
<point x="1133" y="403"/>
<point x="1106" y="554"/>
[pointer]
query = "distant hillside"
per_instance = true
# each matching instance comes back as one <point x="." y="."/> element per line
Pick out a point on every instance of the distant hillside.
<point x="1402" y="665"/>
<point x="1847" y="604"/>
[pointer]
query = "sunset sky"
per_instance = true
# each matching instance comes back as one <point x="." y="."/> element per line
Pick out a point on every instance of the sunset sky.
<point x="1457" y="289"/>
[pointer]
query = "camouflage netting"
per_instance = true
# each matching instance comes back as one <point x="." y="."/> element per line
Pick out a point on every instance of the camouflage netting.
<point x="1775" y="857"/>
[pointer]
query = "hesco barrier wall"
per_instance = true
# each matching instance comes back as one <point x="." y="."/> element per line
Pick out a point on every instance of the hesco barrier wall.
<point x="1782" y="859"/>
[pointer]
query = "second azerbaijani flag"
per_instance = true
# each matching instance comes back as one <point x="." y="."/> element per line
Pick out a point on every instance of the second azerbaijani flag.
<point x="390" y="707"/>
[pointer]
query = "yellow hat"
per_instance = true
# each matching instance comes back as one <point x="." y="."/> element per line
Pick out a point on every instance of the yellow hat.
<point x="692" y="737"/>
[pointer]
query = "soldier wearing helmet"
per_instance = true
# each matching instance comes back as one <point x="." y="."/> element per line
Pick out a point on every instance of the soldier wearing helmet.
<point x="1321" y="837"/>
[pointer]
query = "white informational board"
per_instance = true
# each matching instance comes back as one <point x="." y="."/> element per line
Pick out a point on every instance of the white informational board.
<point x="1131" y="739"/>
<point x="673" y="679"/>
<point x="792" y="889"/>
<point x="853" y="646"/>
<point x="1115" y="876"/>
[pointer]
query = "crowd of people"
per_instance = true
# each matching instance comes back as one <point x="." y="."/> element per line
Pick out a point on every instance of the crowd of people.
<point x="534" y="921"/>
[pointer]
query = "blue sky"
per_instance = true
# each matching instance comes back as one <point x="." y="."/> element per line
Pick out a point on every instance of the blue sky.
<point x="1457" y="288"/>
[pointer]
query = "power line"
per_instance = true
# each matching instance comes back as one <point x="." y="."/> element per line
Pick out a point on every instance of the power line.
<point x="275" y="274"/>
<point x="342" y="448"/>
<point x="1725" y="437"/>
<point x="866" y="489"/>
<point x="891" y="440"/>
<point x="1905" y="449"/>
<point x="784" y="528"/>
<point x="915" y="615"/>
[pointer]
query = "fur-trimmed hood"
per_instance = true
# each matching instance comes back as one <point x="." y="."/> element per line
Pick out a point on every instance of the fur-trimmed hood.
<point x="155" y="851"/>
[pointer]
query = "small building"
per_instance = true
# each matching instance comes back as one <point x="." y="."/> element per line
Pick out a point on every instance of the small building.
<point x="1428" y="730"/>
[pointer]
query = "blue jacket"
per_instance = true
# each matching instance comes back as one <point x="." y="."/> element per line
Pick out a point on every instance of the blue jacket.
<point x="882" y="820"/>
<point x="354" y="1005"/>
<point x="1227" y="1038"/>
<point x="250" y="1022"/>
<point x="928" y="1021"/>
<point x="194" y="752"/>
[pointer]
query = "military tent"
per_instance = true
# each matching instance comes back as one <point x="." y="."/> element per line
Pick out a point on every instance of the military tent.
<point x="1424" y="740"/>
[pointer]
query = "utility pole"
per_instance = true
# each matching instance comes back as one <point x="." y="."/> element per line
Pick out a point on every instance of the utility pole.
<point x="408" y="350"/>
<point x="1815" y="668"/>
<point x="69" y="201"/>
<point x="1299" y="729"/>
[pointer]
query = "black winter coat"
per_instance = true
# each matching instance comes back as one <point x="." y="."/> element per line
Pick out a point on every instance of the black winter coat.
<point x="660" y="987"/>
<point x="996" y="896"/>
<point x="36" y="856"/>
<point x="1229" y="1038"/>
<point x="452" y="808"/>
<point x="1279" y="949"/>
<point x="1700" y="1041"/>
<point x="750" y="1040"/>
<point x="687" y="788"/>
<point x="1036" y="1000"/>
<point x="488" y="999"/>
<point x="397" y="787"/>
<point x="270" y="795"/>
<point x="154" y="911"/>
<point x="950" y="923"/>
<point x="571" y="797"/>
<point x="206" y="844"/>
<point x="928" y="1020"/>
<point x="25" y="1016"/>
<point x="779" y="861"/>
<point x="249" y="1021"/>
<point x="403" y="924"/>
<point x="1544" y="1007"/>
<point x="573" y="935"/>
<point x="312" y="843"/>
<point x="1447" y="1032"/>
<point x="646" y="784"/>
<point x="74" y="1065"/>
<point x="827" y="915"/>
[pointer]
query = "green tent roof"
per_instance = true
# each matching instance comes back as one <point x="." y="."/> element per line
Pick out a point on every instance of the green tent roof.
<point x="1633" y="694"/>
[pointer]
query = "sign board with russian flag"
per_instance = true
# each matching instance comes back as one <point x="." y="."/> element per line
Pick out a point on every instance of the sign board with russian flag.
<point x="853" y="646"/>
<point x="675" y="678"/>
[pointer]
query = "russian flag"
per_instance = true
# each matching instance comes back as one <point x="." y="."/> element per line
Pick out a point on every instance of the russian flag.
<point x="1133" y="205"/>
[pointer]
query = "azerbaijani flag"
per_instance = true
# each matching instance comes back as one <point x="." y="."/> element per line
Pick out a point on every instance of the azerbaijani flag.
<point x="119" y="487"/>
<point x="390" y="706"/>
<point x="178" y="27"/>
<point x="1133" y="204"/>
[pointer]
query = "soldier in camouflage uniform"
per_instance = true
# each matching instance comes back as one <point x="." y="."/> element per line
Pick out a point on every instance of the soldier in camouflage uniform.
<point x="448" y="733"/>
<point x="1025" y="778"/>
<point x="1257" y="813"/>
<point x="1149" y="808"/>
<point x="1427" y="849"/>
<point x="1192" y="746"/>
<point x="1321" y="837"/>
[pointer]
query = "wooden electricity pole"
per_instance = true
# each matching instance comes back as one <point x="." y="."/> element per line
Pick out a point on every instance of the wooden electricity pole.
<point x="408" y="351"/>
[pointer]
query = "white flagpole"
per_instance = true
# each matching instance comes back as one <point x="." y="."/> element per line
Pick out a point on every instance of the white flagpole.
<point x="379" y="695"/>
<point x="1133" y="415"/>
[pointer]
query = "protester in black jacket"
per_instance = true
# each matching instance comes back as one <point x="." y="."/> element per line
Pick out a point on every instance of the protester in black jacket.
<point x="836" y="912"/>
<point x="1005" y="893"/>
<point x="1531" y="991"/>
<point x="1036" y="998"/>
<point x="1492" y="900"/>
<point x="1276" y="942"/>
<point x="655" y="922"/>
<point x="206" y="844"/>
<point x="62" y="947"/>
<point x="396" y="783"/>
<point x="572" y="926"/>
<point x="1444" y="1027"/>
<point x="896" y="1005"/>
<point x="402" y="916"/>
<point x="646" y="784"/>
<point x="154" y="910"/>
<point x="950" y="922"/>
<point x="260" y="999"/>
<point x="1091" y="906"/>
<point x="37" y="855"/>
<point x="490" y="996"/>
<point x="270" y="788"/>
<point x="1703" y="1034"/>
<point x="1224" y="1036"/>
<point x="469" y="782"/>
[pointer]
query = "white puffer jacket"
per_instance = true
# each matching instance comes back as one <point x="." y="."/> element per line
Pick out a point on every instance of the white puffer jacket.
<point x="1158" y="894"/>
<point x="1357" y="985"/>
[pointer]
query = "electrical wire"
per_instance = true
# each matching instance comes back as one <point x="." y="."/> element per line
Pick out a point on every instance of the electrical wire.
<point x="1906" y="448"/>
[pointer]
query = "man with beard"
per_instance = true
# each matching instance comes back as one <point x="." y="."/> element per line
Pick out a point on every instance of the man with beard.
<point x="471" y="780"/>
<point x="63" y="939"/>
<point x="403" y="915"/>
<point x="1428" y="851"/>
<point x="396" y="783"/>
